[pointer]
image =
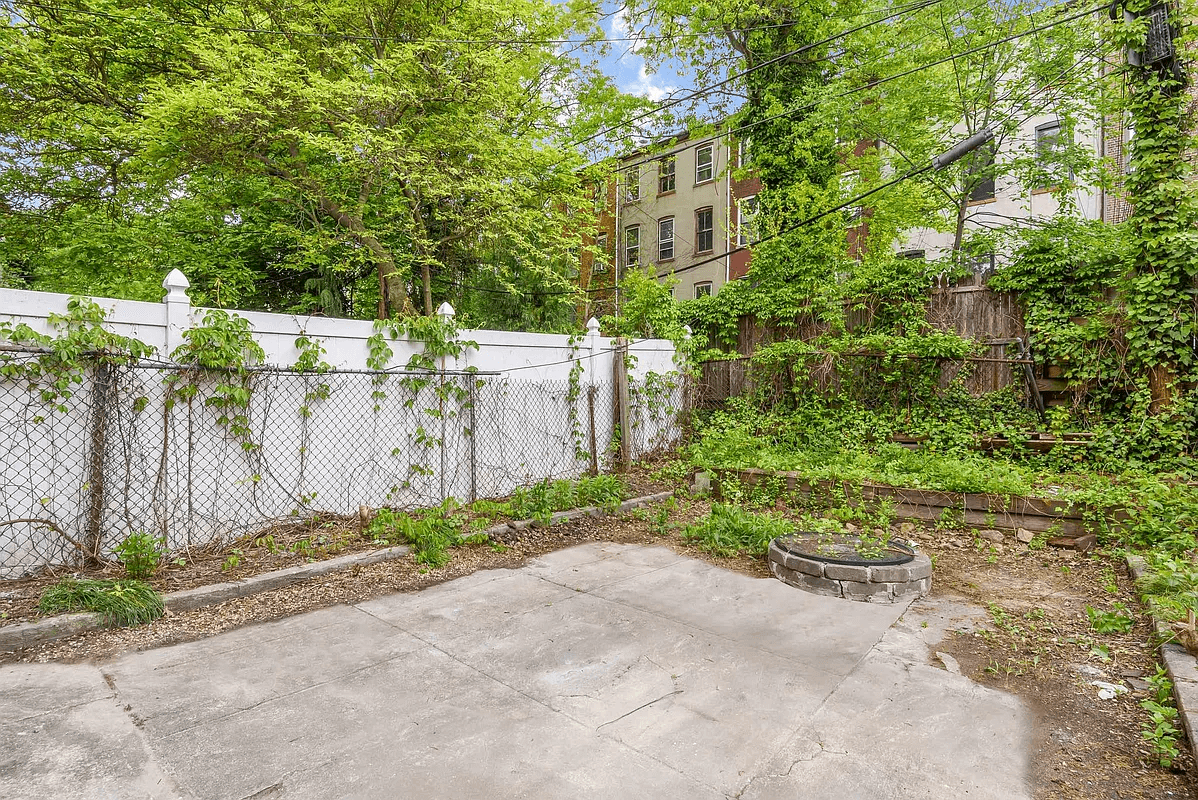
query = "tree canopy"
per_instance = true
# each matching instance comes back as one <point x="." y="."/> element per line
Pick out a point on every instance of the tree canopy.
<point x="358" y="159"/>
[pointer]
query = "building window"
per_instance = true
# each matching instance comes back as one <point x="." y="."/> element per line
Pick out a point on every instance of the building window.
<point x="704" y="231"/>
<point x="742" y="153"/>
<point x="703" y="289"/>
<point x="704" y="169"/>
<point x="746" y="212"/>
<point x="665" y="175"/>
<point x="632" y="184"/>
<point x="980" y="174"/>
<point x="1050" y="144"/>
<point x="914" y="255"/>
<point x="599" y="263"/>
<point x="665" y="239"/>
<point x="632" y="245"/>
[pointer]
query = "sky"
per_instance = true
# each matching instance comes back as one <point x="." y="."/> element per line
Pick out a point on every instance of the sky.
<point x="630" y="70"/>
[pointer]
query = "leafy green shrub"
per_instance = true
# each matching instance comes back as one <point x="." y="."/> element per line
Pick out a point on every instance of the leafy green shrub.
<point x="121" y="602"/>
<point x="429" y="532"/>
<point x="604" y="491"/>
<point x="539" y="501"/>
<point x="1117" y="621"/>
<point x="730" y="530"/>
<point x="140" y="554"/>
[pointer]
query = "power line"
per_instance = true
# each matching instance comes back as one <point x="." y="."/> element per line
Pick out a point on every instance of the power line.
<point x="712" y="87"/>
<point x="397" y="39"/>
<point x="872" y="84"/>
<point x="856" y="200"/>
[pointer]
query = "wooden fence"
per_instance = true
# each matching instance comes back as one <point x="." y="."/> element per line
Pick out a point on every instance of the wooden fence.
<point x="974" y="312"/>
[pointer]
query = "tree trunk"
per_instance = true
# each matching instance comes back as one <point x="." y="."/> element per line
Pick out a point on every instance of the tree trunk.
<point x="393" y="295"/>
<point x="1161" y="381"/>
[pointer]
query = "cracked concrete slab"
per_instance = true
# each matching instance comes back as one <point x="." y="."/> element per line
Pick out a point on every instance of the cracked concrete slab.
<point x="593" y="672"/>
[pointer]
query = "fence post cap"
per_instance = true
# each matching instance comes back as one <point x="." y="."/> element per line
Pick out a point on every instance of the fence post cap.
<point x="176" y="285"/>
<point x="445" y="310"/>
<point x="593" y="325"/>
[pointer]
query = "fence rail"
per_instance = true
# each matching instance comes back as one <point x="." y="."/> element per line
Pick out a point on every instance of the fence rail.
<point x="151" y="448"/>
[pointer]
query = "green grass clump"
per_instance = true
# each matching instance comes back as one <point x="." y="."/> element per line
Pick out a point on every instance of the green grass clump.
<point x="126" y="602"/>
<point x="540" y="500"/>
<point x="730" y="530"/>
<point x="430" y="532"/>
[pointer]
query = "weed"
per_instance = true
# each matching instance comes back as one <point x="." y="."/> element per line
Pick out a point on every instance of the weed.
<point x="233" y="561"/>
<point x="730" y="530"/>
<point x="121" y="602"/>
<point x="1160" y="729"/>
<point x="661" y="517"/>
<point x="1108" y="622"/>
<point x="141" y="553"/>
<point x="268" y="543"/>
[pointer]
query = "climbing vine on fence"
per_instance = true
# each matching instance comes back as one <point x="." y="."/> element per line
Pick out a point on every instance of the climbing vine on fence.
<point x="55" y="365"/>
<point x="221" y="349"/>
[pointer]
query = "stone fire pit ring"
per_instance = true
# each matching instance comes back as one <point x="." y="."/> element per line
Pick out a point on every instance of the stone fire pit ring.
<point x="832" y="566"/>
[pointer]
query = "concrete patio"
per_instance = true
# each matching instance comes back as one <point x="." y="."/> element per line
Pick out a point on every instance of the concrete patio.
<point x="599" y="671"/>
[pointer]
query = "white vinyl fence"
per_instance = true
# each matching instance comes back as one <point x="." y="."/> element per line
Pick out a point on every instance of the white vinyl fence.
<point x="128" y="452"/>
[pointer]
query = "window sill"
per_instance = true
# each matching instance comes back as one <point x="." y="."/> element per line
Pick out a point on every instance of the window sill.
<point x="704" y="183"/>
<point x="985" y="202"/>
<point x="667" y="194"/>
<point x="665" y="260"/>
<point x="704" y="252"/>
<point x="1044" y="190"/>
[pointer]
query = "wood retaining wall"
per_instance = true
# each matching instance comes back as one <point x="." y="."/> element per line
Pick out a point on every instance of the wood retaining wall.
<point x="1035" y="514"/>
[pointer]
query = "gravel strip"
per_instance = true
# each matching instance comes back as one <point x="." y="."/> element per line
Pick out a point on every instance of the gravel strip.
<point x="37" y="635"/>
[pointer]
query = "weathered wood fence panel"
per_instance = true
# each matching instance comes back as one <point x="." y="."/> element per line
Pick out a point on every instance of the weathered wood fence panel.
<point x="974" y="312"/>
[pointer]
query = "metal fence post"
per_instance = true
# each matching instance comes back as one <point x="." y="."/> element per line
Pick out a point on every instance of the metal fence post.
<point x="473" y="439"/>
<point x="620" y="366"/>
<point x="101" y="385"/>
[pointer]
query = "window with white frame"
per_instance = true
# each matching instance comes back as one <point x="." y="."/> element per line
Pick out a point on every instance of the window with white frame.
<point x="632" y="245"/>
<point x="600" y="262"/>
<point x="746" y="213"/>
<point x="632" y="184"/>
<point x="703" y="289"/>
<point x="665" y="175"/>
<point x="742" y="152"/>
<point x="704" y="163"/>
<point x="665" y="239"/>
<point x="704" y="231"/>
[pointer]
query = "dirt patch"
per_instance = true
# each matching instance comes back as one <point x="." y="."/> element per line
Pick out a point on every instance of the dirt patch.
<point x="317" y="538"/>
<point x="1037" y="643"/>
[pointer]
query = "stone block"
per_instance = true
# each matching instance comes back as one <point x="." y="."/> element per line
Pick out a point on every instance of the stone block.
<point x="900" y="573"/>
<point x="991" y="535"/>
<point x="823" y="586"/>
<point x="1024" y="535"/>
<point x="845" y="572"/>
<point x="866" y="591"/>
<point x="921" y="567"/>
<point x="809" y="567"/>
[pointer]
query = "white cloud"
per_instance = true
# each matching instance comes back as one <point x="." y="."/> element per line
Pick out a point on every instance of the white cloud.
<point x="621" y="28"/>
<point x="646" y="86"/>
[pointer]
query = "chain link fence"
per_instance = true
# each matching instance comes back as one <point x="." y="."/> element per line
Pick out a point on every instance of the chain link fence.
<point x="203" y="458"/>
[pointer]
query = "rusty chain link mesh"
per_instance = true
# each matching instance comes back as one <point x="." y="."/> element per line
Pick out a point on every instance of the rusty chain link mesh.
<point x="133" y="449"/>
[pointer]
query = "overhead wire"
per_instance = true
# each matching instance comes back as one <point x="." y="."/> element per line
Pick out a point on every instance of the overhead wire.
<point x="15" y="8"/>
<point x="872" y="84"/>
<point x="662" y="106"/>
<point x="857" y="200"/>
